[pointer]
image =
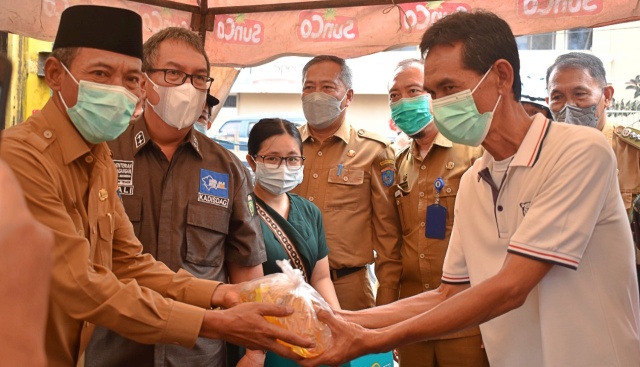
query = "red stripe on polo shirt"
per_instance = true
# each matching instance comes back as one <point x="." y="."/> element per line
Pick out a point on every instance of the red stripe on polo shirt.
<point x="542" y="132"/>
<point x="455" y="279"/>
<point x="545" y="254"/>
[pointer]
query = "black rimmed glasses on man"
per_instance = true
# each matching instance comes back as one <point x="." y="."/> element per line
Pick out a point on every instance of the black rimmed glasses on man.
<point x="176" y="77"/>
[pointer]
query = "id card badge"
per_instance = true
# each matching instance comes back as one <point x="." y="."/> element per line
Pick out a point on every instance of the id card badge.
<point x="436" y="224"/>
<point x="436" y="220"/>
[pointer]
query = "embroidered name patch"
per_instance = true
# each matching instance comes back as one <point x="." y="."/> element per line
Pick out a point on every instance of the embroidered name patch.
<point x="125" y="176"/>
<point x="214" y="188"/>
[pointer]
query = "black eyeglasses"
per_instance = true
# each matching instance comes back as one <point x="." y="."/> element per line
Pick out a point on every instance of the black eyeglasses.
<point x="177" y="77"/>
<point x="293" y="163"/>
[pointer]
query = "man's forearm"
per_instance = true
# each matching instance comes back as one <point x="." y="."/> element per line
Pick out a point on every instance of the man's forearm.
<point x="383" y="316"/>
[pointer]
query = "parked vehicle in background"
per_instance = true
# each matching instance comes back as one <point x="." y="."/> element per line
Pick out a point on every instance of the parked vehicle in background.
<point x="233" y="134"/>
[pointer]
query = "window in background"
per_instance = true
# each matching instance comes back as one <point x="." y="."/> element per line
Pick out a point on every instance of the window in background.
<point x="579" y="39"/>
<point x="542" y="41"/>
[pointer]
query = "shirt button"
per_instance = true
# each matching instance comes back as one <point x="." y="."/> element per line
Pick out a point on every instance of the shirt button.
<point x="426" y="286"/>
<point x="423" y="167"/>
<point x="47" y="134"/>
<point x="345" y="178"/>
<point x="422" y="194"/>
<point x="422" y="224"/>
<point x="320" y="153"/>
<point x="422" y="256"/>
<point x="315" y="175"/>
<point x="310" y="198"/>
<point x="499" y="208"/>
<point x="88" y="159"/>
<point x="448" y="190"/>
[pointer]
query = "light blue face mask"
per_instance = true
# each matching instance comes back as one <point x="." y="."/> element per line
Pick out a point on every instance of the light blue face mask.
<point x="457" y="117"/>
<point x="199" y="126"/>
<point x="411" y="114"/>
<point x="102" y="111"/>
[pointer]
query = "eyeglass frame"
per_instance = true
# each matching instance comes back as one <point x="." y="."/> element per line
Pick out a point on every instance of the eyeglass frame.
<point x="186" y="75"/>
<point x="282" y="159"/>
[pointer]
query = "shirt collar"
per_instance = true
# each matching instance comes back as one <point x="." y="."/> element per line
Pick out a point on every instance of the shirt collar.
<point x="439" y="140"/>
<point x="141" y="136"/>
<point x="343" y="132"/>
<point x="72" y="144"/>
<point x="530" y="147"/>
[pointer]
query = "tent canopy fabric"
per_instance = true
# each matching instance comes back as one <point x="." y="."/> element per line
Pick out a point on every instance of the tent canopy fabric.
<point x="244" y="33"/>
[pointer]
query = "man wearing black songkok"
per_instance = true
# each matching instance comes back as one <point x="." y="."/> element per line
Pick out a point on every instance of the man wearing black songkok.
<point x="62" y="162"/>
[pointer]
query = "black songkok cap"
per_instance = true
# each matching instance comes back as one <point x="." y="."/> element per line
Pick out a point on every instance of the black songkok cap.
<point x="105" y="28"/>
<point x="212" y="101"/>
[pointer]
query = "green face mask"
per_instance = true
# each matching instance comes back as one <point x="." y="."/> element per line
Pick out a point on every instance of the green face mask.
<point x="411" y="114"/>
<point x="457" y="117"/>
<point x="102" y="111"/>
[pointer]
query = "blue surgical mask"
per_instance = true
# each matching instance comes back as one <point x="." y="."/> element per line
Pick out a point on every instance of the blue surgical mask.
<point x="457" y="117"/>
<point x="102" y="112"/>
<point x="277" y="180"/>
<point x="202" y="127"/>
<point x="411" y="114"/>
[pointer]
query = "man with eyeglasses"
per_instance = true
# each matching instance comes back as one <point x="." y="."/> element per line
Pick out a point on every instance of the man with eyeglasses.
<point x="189" y="199"/>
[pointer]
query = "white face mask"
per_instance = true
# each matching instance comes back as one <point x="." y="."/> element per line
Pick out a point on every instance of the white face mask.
<point x="277" y="180"/>
<point x="179" y="106"/>
<point x="321" y="109"/>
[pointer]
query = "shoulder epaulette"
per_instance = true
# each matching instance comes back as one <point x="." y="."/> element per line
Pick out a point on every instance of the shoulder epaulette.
<point x="629" y="135"/>
<point x="373" y="136"/>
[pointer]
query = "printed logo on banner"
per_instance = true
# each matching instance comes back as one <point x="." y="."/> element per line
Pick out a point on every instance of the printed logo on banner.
<point x="238" y="29"/>
<point x="419" y="16"/>
<point x="558" y="8"/>
<point x="316" y="26"/>
<point x="214" y="188"/>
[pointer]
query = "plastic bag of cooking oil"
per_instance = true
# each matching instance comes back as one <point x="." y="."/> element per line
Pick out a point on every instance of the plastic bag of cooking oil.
<point x="289" y="289"/>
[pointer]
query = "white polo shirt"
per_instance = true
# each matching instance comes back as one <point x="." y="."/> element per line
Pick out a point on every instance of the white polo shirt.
<point x="560" y="203"/>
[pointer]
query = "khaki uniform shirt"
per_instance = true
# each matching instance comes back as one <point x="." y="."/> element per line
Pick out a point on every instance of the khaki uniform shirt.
<point x="422" y="257"/>
<point x="627" y="151"/>
<point x="194" y="212"/>
<point x="100" y="275"/>
<point x="349" y="177"/>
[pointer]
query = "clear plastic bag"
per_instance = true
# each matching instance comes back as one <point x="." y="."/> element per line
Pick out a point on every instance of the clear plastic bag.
<point x="289" y="289"/>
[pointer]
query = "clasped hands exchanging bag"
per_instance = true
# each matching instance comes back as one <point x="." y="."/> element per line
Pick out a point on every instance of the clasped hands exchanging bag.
<point x="289" y="289"/>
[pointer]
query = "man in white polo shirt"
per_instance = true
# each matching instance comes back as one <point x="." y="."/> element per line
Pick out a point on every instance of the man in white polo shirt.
<point x="541" y="254"/>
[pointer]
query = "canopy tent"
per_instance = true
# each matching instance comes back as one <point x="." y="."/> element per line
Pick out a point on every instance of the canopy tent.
<point x="241" y="33"/>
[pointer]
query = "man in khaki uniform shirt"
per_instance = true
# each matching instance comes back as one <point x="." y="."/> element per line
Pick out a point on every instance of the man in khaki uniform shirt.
<point x="348" y="174"/>
<point x="428" y="158"/>
<point x="579" y="94"/>
<point x="166" y="178"/>
<point x="62" y="162"/>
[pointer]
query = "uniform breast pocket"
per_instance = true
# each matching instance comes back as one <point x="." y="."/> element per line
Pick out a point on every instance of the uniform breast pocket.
<point x="404" y="209"/>
<point x="448" y="197"/>
<point x="133" y="209"/>
<point x="207" y="229"/>
<point x="347" y="190"/>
